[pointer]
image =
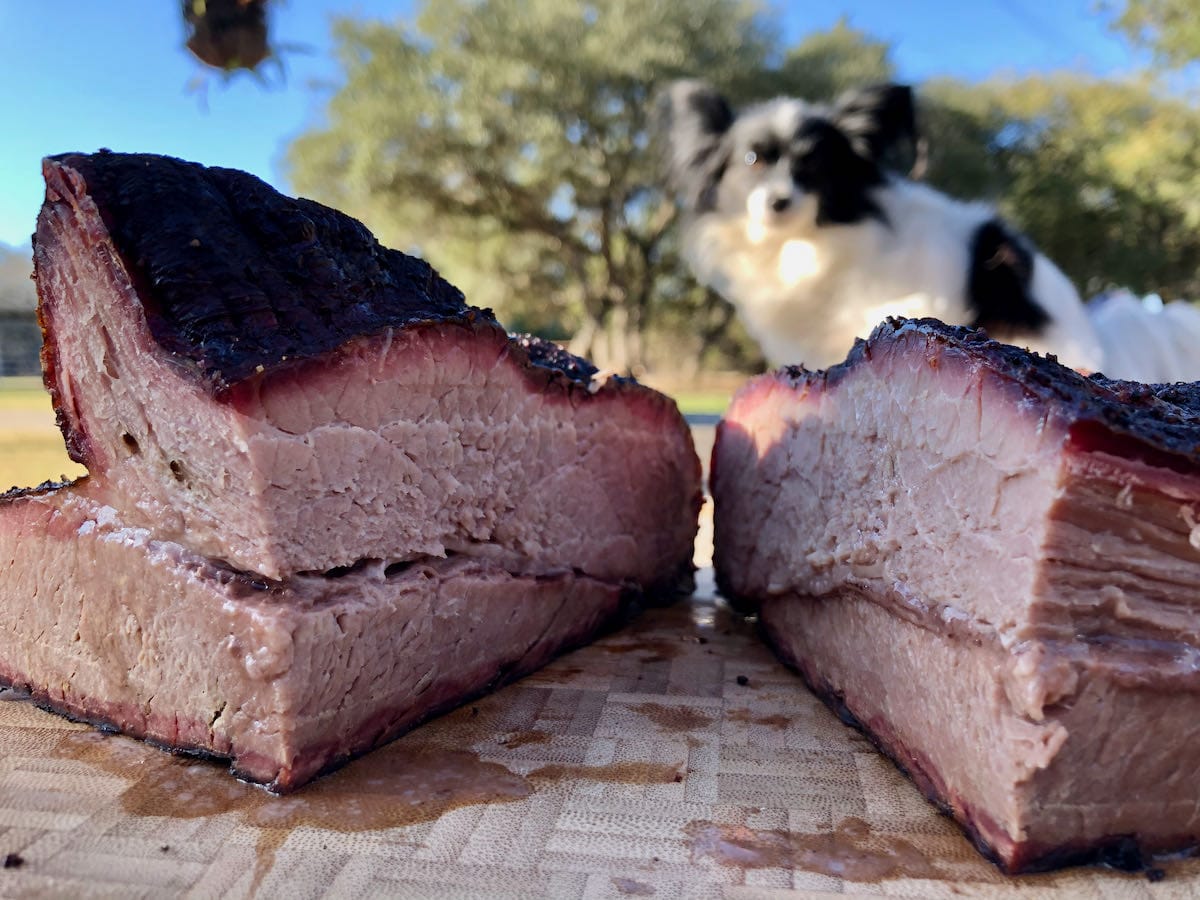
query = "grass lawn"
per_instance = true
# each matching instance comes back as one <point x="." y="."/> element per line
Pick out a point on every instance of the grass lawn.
<point x="23" y="394"/>
<point x="31" y="447"/>
<point x="28" y="458"/>
<point x="702" y="394"/>
<point x="698" y="403"/>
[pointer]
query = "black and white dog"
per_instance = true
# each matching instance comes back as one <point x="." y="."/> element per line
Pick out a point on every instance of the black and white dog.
<point x="791" y="215"/>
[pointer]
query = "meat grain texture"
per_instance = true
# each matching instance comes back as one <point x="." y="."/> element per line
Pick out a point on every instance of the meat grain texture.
<point x="326" y="498"/>
<point x="988" y="563"/>
<point x="264" y="382"/>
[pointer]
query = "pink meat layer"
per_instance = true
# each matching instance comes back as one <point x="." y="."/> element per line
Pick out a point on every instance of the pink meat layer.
<point x="425" y="439"/>
<point x="998" y="585"/>
<point x="110" y="624"/>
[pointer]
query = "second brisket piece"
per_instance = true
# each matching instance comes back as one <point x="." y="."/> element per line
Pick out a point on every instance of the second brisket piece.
<point x="989" y="563"/>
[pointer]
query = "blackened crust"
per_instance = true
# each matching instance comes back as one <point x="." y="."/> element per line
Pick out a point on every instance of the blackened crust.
<point x="549" y="355"/>
<point x="234" y="275"/>
<point x="1161" y="419"/>
<point x="16" y="492"/>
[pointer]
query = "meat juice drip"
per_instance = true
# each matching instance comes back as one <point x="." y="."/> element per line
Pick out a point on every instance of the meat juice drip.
<point x="523" y="738"/>
<point x="852" y="851"/>
<point x="681" y="718"/>
<point x="658" y="649"/>
<point x="746" y="717"/>
<point x="396" y="785"/>
<point x="618" y="773"/>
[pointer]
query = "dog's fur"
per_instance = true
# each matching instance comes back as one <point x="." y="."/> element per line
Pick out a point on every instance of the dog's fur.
<point x="792" y="215"/>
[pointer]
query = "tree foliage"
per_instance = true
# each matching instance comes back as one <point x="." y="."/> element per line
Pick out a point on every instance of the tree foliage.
<point x="506" y="141"/>
<point x="1103" y="175"/>
<point x="1171" y="28"/>
<point x="509" y="142"/>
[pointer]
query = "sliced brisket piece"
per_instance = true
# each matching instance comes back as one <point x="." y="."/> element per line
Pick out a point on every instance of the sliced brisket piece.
<point x="256" y="378"/>
<point x="285" y="679"/>
<point x="989" y="564"/>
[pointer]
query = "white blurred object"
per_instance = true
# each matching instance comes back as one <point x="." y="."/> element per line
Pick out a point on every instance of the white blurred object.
<point x="1144" y="339"/>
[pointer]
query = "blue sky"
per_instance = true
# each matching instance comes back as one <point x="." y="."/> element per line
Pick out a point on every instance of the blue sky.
<point x="82" y="74"/>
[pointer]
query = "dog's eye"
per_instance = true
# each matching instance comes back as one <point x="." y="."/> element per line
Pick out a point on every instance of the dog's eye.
<point x="764" y="155"/>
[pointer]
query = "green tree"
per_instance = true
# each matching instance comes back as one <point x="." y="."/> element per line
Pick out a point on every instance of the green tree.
<point x="1171" y="28"/>
<point x="1103" y="175"/>
<point x="826" y="63"/>
<point x="508" y="142"/>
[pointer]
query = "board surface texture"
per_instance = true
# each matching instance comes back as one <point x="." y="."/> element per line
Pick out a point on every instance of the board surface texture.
<point x="639" y="766"/>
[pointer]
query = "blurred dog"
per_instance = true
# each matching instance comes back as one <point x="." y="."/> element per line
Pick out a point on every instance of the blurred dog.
<point x="792" y="214"/>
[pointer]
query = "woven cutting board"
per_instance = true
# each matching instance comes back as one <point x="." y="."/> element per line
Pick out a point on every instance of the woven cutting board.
<point x="675" y="758"/>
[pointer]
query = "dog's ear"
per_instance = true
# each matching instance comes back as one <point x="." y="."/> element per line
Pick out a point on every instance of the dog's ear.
<point x="880" y="121"/>
<point x="691" y="121"/>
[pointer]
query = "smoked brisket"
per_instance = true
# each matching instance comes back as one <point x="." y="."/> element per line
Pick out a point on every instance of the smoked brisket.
<point x="990" y="564"/>
<point x="326" y="498"/>
<point x="262" y="382"/>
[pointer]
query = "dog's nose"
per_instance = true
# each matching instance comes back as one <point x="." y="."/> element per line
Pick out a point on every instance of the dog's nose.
<point x="779" y="204"/>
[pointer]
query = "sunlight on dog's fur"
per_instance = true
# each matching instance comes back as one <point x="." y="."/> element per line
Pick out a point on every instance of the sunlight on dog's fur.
<point x="791" y="214"/>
